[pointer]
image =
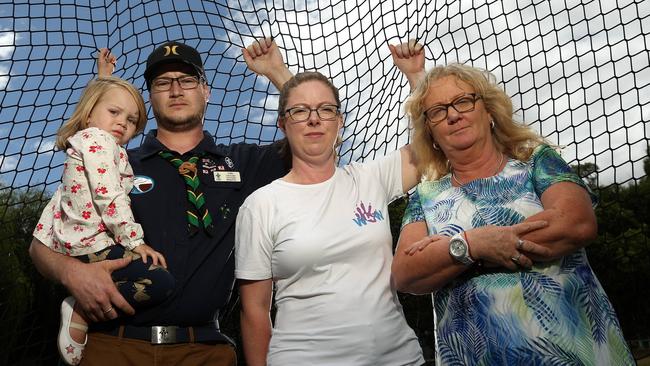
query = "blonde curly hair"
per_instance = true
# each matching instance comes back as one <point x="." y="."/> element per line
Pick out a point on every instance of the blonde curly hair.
<point x="510" y="137"/>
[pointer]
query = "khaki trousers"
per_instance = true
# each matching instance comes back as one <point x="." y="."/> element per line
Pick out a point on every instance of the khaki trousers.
<point x="106" y="350"/>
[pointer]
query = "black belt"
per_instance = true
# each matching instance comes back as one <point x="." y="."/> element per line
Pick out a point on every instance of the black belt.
<point x="169" y="334"/>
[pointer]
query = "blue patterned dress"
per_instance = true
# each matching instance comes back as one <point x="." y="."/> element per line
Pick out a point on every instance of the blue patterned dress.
<point x="554" y="314"/>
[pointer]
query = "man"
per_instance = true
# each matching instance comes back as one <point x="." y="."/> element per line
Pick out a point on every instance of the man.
<point x="196" y="239"/>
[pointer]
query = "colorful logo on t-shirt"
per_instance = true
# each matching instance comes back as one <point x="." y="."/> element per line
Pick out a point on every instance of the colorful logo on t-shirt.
<point x="142" y="184"/>
<point x="365" y="215"/>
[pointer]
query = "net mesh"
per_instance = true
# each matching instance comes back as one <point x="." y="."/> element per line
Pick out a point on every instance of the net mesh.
<point x="577" y="72"/>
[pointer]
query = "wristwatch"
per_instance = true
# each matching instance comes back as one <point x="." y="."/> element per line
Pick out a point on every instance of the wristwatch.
<point x="459" y="249"/>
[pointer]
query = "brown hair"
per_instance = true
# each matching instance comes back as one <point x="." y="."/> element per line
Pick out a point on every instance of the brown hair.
<point x="89" y="98"/>
<point x="510" y="137"/>
<point x="300" y="78"/>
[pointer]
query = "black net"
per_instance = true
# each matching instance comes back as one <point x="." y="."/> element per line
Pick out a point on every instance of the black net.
<point x="577" y="71"/>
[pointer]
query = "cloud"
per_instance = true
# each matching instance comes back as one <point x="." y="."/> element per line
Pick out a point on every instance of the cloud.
<point x="44" y="147"/>
<point x="7" y="38"/>
<point x="7" y="47"/>
<point x="8" y="163"/>
<point x="576" y="73"/>
<point x="349" y="46"/>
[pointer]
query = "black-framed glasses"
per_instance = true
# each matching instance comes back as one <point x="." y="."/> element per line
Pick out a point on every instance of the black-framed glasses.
<point x="185" y="82"/>
<point x="462" y="104"/>
<point x="326" y="112"/>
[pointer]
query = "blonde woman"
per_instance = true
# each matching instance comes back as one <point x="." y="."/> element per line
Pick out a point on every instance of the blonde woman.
<point x="497" y="231"/>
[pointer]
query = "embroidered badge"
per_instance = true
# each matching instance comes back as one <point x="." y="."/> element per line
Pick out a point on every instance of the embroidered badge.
<point x="229" y="162"/>
<point x="208" y="166"/>
<point x="142" y="184"/>
<point x="208" y="163"/>
<point x="364" y="215"/>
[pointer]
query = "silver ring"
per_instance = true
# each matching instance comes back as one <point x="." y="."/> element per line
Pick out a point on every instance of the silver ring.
<point x="520" y="244"/>
<point x="107" y="310"/>
<point x="516" y="258"/>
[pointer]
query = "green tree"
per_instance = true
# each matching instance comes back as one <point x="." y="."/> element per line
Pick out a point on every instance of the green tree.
<point x="418" y="309"/>
<point x="28" y="303"/>
<point x="620" y="256"/>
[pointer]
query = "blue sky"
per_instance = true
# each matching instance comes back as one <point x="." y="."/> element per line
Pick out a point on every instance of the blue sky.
<point x="577" y="70"/>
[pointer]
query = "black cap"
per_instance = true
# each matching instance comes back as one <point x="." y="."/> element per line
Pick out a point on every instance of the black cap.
<point x="172" y="52"/>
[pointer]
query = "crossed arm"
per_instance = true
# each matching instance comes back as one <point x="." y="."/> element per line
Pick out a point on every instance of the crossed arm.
<point x="423" y="264"/>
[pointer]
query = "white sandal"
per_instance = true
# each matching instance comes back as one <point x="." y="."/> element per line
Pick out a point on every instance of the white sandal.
<point x="71" y="352"/>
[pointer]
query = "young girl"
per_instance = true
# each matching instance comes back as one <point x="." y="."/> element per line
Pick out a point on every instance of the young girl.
<point x="89" y="216"/>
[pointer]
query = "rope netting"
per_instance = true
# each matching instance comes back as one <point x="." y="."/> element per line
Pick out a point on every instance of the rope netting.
<point x="577" y="72"/>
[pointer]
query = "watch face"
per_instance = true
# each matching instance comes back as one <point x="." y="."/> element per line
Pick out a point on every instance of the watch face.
<point x="457" y="248"/>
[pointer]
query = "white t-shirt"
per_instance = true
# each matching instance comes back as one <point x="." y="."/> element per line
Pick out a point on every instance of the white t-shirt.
<point x="328" y="249"/>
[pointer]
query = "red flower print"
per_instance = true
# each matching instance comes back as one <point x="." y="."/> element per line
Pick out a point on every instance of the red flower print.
<point x="75" y="188"/>
<point x="101" y="190"/>
<point x="67" y="245"/>
<point x="39" y="227"/>
<point x="101" y="170"/>
<point x="133" y="234"/>
<point x="101" y="227"/>
<point x="57" y="215"/>
<point x="111" y="209"/>
<point x="121" y="155"/>
<point x="86" y="214"/>
<point x="69" y="203"/>
<point x="94" y="148"/>
<point x="89" y="204"/>
<point x="87" y="241"/>
<point x="79" y="168"/>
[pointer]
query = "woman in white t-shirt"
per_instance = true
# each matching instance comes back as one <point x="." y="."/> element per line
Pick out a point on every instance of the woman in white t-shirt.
<point x="321" y="234"/>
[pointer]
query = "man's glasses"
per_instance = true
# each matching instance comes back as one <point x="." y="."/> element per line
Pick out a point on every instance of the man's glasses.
<point x="326" y="112"/>
<point x="464" y="103"/>
<point x="185" y="82"/>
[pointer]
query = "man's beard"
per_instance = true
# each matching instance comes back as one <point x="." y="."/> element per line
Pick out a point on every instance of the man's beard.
<point x="179" y="125"/>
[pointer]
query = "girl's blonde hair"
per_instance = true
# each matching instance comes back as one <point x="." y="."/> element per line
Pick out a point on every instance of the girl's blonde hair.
<point x="510" y="137"/>
<point x="89" y="98"/>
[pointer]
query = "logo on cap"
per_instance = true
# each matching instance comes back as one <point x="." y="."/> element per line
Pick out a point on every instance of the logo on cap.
<point x="171" y="50"/>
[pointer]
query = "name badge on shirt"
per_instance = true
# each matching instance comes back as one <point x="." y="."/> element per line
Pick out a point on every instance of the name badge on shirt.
<point x="223" y="176"/>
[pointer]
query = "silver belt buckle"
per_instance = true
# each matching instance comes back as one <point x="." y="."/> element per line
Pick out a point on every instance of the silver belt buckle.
<point x="163" y="334"/>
